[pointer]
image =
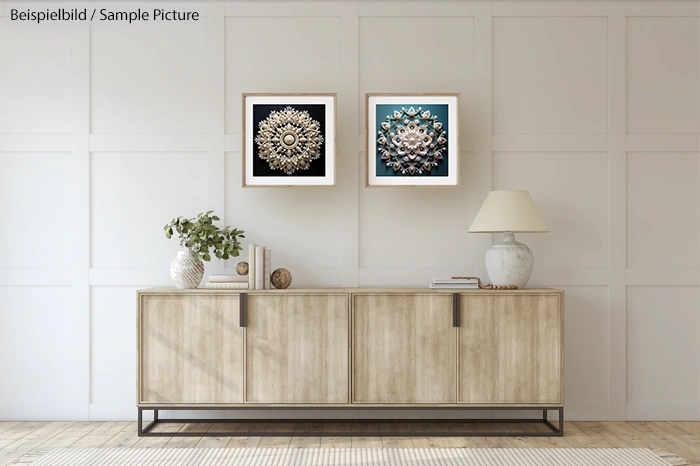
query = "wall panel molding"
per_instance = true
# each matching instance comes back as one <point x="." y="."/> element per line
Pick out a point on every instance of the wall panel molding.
<point x="36" y="143"/>
<point x="149" y="142"/>
<point x="663" y="276"/>
<point x="617" y="211"/>
<point x="10" y="276"/>
<point x="550" y="143"/>
<point x="663" y="8"/>
<point x="663" y="143"/>
<point x="80" y="97"/>
<point x="546" y="8"/>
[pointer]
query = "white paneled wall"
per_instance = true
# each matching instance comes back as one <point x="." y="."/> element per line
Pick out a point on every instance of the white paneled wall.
<point x="594" y="107"/>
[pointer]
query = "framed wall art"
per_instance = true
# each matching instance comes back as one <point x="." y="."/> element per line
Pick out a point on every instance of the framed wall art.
<point x="289" y="140"/>
<point x="412" y="140"/>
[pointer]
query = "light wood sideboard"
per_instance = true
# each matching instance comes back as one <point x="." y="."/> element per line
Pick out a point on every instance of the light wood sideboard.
<point x="353" y="348"/>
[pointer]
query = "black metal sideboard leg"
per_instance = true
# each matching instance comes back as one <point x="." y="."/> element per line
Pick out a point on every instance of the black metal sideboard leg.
<point x="558" y="431"/>
<point x="145" y="431"/>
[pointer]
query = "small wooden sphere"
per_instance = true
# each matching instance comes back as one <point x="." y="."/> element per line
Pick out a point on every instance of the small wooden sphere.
<point x="281" y="279"/>
<point x="242" y="268"/>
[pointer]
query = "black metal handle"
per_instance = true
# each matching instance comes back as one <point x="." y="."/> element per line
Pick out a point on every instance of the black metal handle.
<point x="456" y="314"/>
<point x="243" y="309"/>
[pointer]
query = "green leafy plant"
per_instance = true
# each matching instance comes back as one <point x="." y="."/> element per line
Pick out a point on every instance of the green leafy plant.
<point x="200" y="234"/>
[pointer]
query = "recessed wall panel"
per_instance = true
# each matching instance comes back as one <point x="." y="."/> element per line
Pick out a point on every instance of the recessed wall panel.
<point x="112" y="344"/>
<point x="663" y="201"/>
<point x="40" y="353"/>
<point x="427" y="54"/>
<point x="550" y="75"/>
<point x="570" y="190"/>
<point x="586" y="334"/>
<point x="663" y="349"/>
<point x="148" y="79"/>
<point x="663" y="71"/>
<point x="280" y="55"/>
<point x="133" y="195"/>
<point x="36" y="208"/>
<point x="35" y="80"/>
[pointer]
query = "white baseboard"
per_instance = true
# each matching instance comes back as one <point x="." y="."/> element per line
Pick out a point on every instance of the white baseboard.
<point x="663" y="412"/>
<point x="116" y="412"/>
<point x="576" y="411"/>
<point x="43" y="412"/>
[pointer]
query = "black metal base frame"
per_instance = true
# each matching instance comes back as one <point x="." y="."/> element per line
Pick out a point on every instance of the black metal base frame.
<point x="555" y="431"/>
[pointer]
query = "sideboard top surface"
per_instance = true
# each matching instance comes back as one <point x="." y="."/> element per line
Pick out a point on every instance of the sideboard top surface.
<point x="365" y="290"/>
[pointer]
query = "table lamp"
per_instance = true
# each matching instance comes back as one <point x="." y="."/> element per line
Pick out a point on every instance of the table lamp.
<point x="509" y="212"/>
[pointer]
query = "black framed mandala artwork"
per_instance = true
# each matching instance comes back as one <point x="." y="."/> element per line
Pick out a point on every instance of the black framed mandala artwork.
<point x="289" y="140"/>
<point x="412" y="139"/>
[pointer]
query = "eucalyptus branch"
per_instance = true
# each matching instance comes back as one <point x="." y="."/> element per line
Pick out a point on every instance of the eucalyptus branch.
<point x="199" y="235"/>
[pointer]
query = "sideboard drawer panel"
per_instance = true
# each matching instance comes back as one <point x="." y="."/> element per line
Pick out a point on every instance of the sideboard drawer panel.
<point x="404" y="349"/>
<point x="297" y="348"/>
<point x="511" y="349"/>
<point x="190" y="349"/>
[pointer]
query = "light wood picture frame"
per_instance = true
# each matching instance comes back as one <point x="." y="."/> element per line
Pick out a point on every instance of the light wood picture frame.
<point x="412" y="140"/>
<point x="289" y="140"/>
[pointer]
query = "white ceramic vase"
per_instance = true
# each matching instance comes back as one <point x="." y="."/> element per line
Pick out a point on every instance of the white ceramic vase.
<point x="509" y="262"/>
<point x="187" y="270"/>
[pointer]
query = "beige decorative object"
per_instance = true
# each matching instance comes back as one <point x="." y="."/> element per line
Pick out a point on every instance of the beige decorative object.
<point x="242" y="268"/>
<point x="281" y="279"/>
<point x="289" y="140"/>
<point x="187" y="270"/>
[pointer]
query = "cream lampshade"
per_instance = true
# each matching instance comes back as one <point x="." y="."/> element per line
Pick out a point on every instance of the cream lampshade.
<point x="509" y="212"/>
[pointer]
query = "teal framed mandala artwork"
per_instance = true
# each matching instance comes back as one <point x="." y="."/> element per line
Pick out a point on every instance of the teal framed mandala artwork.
<point x="412" y="139"/>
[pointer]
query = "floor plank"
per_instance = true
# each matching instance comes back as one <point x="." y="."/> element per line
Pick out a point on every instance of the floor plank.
<point x="101" y="435"/>
<point x="336" y="442"/>
<point x="125" y="438"/>
<point x="366" y="442"/>
<point x="305" y="441"/>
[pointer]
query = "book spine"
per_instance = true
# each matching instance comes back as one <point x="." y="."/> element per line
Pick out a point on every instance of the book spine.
<point x="259" y="268"/>
<point x="231" y="279"/>
<point x="251" y="266"/>
<point x="227" y="286"/>
<point x="268" y="272"/>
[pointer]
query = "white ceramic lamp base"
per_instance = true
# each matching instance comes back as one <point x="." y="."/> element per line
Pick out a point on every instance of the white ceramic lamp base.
<point x="509" y="262"/>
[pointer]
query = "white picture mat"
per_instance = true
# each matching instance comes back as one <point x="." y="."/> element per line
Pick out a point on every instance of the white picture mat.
<point x="329" y="144"/>
<point x="452" y="140"/>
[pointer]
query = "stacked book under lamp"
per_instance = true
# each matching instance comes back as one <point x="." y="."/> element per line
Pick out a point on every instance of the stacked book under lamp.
<point x="454" y="284"/>
<point x="228" y="282"/>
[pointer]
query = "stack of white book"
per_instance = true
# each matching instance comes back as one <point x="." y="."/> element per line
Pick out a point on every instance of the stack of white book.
<point x="259" y="267"/>
<point x="227" y="282"/>
<point x="454" y="284"/>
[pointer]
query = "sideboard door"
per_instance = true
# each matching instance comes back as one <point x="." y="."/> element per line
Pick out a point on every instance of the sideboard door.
<point x="297" y="348"/>
<point x="510" y="349"/>
<point x="404" y="349"/>
<point x="190" y="349"/>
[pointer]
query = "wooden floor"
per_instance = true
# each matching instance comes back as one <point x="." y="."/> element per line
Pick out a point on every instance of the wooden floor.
<point x="19" y="438"/>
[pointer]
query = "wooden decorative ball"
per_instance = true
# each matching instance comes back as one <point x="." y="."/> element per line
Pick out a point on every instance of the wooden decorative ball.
<point x="281" y="279"/>
<point x="242" y="268"/>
